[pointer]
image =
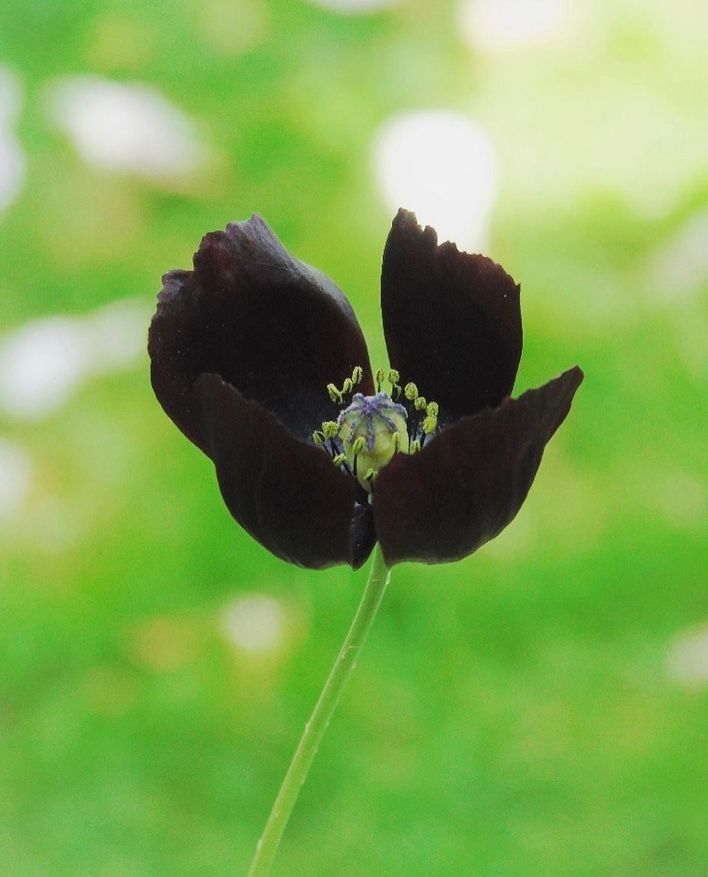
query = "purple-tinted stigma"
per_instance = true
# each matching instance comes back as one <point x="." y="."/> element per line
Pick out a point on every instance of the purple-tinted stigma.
<point x="366" y="410"/>
<point x="371" y="430"/>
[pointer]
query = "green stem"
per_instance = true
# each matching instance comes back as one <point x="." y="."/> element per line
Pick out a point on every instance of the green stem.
<point x="267" y="848"/>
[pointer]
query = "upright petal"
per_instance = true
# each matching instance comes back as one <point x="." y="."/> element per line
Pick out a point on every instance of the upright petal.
<point x="465" y="486"/>
<point x="452" y="320"/>
<point x="287" y="494"/>
<point x="273" y="327"/>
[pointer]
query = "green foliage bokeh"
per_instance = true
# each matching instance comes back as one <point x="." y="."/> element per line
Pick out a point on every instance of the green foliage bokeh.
<point x="515" y="714"/>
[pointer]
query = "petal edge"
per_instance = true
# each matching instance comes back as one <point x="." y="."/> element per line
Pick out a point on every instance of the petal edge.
<point x="465" y="486"/>
<point x="272" y="326"/>
<point x="452" y="320"/>
<point x="287" y="494"/>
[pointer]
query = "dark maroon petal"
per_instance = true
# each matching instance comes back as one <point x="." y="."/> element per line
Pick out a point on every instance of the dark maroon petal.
<point x="276" y="329"/>
<point x="287" y="494"/>
<point x="452" y="320"/>
<point x="465" y="486"/>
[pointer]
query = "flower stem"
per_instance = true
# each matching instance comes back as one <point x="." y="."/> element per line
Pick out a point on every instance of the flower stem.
<point x="267" y="848"/>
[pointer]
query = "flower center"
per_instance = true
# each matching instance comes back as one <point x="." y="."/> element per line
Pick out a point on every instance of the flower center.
<point x="371" y="429"/>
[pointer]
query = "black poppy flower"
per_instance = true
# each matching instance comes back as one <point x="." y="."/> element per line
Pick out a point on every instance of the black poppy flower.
<point x="259" y="359"/>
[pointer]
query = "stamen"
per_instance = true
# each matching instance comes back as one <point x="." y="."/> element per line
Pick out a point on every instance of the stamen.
<point x="330" y="429"/>
<point x="430" y="424"/>
<point x="357" y="445"/>
<point x="370" y="430"/>
<point x="411" y="392"/>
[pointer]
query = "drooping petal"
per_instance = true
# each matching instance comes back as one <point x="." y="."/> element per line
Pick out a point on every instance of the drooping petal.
<point x="452" y="320"/>
<point x="273" y="327"/>
<point x="286" y="493"/>
<point x="465" y="486"/>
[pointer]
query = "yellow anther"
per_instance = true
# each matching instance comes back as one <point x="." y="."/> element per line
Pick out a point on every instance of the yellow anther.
<point x="330" y="429"/>
<point x="414" y="446"/>
<point x="410" y="391"/>
<point x="358" y="445"/>
<point x="420" y="403"/>
<point x="393" y="376"/>
<point x="357" y="375"/>
<point x="347" y="386"/>
<point x="334" y="393"/>
<point x="432" y="409"/>
<point x="339" y="459"/>
<point x="430" y="424"/>
<point x="317" y="438"/>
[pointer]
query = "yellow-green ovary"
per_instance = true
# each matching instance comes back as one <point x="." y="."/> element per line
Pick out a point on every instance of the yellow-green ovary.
<point x="386" y="442"/>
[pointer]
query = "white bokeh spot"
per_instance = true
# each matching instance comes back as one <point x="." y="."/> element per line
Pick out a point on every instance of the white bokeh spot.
<point x="503" y="25"/>
<point x="130" y="128"/>
<point x="353" y="7"/>
<point x="687" y="658"/>
<point x="254" y="623"/>
<point x="44" y="361"/>
<point x="441" y="165"/>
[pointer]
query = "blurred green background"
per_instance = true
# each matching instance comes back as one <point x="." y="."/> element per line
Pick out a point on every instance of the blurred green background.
<point x="538" y="709"/>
